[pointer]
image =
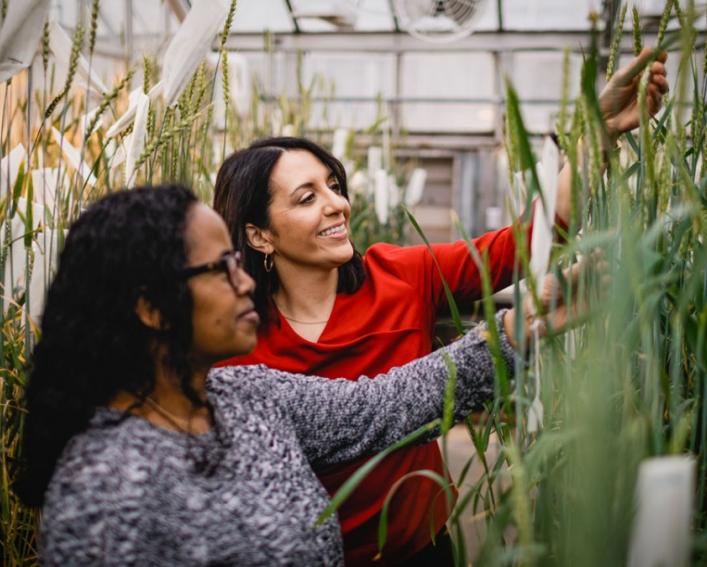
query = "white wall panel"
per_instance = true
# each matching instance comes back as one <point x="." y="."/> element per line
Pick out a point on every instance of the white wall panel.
<point x="447" y="75"/>
<point x="448" y="117"/>
<point x="355" y="75"/>
<point x="329" y="115"/>
<point x="538" y="75"/>
<point x="548" y="14"/>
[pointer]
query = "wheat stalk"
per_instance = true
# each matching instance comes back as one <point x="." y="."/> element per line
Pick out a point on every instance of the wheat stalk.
<point x="637" y="40"/>
<point x="227" y="25"/>
<point x="616" y="43"/>
<point x="45" y="46"/>
<point x="105" y="103"/>
<point x="93" y="26"/>
<point x="165" y="137"/>
<point x="146" y="74"/>
<point x="201" y="85"/>
<point x="664" y="18"/>
<point x="564" y="98"/>
<point x="73" y="64"/>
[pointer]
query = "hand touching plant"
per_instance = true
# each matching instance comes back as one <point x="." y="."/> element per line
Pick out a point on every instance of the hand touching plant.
<point x="619" y="98"/>
<point x="618" y="102"/>
<point x="558" y="312"/>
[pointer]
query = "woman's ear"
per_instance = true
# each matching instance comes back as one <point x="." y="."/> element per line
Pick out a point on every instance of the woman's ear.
<point x="258" y="239"/>
<point x="149" y="315"/>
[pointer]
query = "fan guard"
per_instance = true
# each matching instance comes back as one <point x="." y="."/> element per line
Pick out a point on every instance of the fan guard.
<point x="439" y="21"/>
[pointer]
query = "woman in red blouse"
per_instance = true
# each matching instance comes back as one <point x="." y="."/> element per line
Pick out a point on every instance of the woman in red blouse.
<point x="327" y="310"/>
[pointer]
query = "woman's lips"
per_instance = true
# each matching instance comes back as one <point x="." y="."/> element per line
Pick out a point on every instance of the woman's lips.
<point x="251" y="316"/>
<point x="341" y="233"/>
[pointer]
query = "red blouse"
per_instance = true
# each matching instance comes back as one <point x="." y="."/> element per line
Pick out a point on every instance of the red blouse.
<point x="389" y="321"/>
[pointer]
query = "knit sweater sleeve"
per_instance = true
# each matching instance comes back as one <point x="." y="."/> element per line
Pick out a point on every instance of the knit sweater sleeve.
<point x="339" y="420"/>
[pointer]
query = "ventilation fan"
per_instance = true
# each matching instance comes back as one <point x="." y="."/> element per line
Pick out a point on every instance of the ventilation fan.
<point x="439" y="21"/>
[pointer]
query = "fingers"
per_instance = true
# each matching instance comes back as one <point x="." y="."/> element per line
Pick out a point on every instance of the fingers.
<point x="661" y="83"/>
<point x="636" y="65"/>
<point x="640" y="62"/>
<point x="657" y="87"/>
<point x="560" y="313"/>
<point x="658" y="68"/>
<point x="654" y="99"/>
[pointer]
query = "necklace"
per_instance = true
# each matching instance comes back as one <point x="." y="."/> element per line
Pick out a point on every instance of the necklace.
<point x="205" y="455"/>
<point x="304" y="322"/>
<point x="168" y="415"/>
<point x="298" y="321"/>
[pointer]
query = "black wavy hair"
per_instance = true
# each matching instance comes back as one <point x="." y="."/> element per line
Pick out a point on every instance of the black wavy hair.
<point x="129" y="244"/>
<point x="243" y="195"/>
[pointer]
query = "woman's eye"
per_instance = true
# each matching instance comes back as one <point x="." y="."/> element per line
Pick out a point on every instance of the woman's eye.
<point x="335" y="188"/>
<point x="308" y="198"/>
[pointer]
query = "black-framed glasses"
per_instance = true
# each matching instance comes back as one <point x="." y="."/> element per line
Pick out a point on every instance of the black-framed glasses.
<point x="229" y="264"/>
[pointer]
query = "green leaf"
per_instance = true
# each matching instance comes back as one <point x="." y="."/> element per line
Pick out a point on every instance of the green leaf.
<point x="453" y="309"/>
<point x="436" y="477"/>
<point x="17" y="188"/>
<point x="350" y="485"/>
<point x="525" y="150"/>
<point x="29" y="224"/>
<point x="449" y="391"/>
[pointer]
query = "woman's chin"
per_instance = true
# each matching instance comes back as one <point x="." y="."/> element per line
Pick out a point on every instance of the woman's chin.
<point x="251" y="343"/>
<point x="345" y="253"/>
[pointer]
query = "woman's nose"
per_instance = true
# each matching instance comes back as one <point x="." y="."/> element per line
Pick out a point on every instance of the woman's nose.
<point x="335" y="203"/>
<point x="246" y="284"/>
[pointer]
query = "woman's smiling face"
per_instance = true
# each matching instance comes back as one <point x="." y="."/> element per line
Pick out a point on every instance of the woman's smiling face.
<point x="309" y="217"/>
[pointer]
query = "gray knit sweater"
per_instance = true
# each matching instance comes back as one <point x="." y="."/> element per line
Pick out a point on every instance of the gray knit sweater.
<point x="126" y="492"/>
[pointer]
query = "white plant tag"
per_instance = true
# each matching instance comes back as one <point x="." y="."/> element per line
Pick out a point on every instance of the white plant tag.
<point x="44" y="182"/>
<point x="415" y="187"/>
<point x="19" y="35"/>
<point x="339" y="145"/>
<point x="191" y="44"/>
<point x="661" y="527"/>
<point x="127" y="117"/>
<point x="137" y="137"/>
<point x="60" y="45"/>
<point x="540" y="246"/>
<point x="381" y="195"/>
<point x="73" y="156"/>
<point x="10" y="167"/>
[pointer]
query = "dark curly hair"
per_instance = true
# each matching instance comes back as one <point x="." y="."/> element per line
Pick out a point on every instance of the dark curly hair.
<point x="128" y="245"/>
<point x="243" y="195"/>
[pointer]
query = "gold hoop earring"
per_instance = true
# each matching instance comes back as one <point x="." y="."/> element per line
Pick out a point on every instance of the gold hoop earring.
<point x="268" y="263"/>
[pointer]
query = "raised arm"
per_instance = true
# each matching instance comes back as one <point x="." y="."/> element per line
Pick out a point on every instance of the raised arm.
<point x="618" y="102"/>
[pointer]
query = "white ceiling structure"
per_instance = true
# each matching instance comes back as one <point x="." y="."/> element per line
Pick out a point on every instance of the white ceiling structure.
<point x="444" y="99"/>
<point x="362" y="48"/>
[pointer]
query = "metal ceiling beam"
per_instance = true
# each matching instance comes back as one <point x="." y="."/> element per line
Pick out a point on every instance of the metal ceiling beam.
<point x="389" y="42"/>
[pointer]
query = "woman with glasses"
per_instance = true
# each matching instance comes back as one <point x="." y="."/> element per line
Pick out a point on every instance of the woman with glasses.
<point x="139" y="455"/>
<point x="326" y="309"/>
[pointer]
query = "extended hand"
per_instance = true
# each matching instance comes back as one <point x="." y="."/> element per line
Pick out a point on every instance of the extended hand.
<point x="619" y="98"/>
<point x="556" y="312"/>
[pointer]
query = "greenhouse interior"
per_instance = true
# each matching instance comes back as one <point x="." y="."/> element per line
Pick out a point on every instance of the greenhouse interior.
<point x="514" y="190"/>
